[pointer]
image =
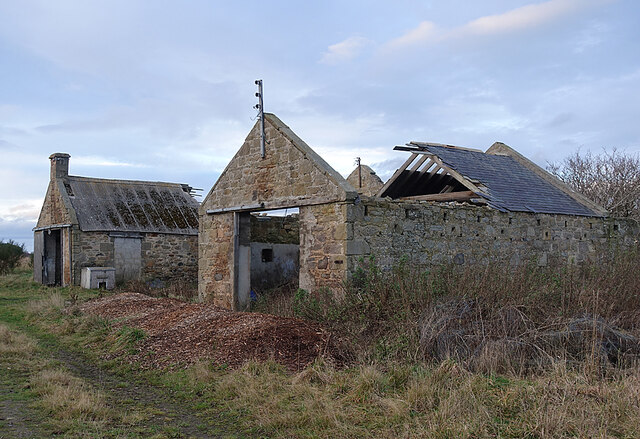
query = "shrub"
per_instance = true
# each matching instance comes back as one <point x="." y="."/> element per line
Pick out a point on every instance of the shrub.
<point x="10" y="255"/>
<point x="611" y="179"/>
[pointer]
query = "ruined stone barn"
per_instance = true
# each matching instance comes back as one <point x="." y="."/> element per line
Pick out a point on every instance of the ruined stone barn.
<point x="145" y="230"/>
<point x="445" y="205"/>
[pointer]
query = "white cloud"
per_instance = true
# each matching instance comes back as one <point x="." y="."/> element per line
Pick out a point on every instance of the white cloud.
<point x="101" y="161"/>
<point x="590" y="37"/>
<point x="425" y="32"/>
<point x="515" y="20"/>
<point x="521" y="18"/>
<point x="364" y="136"/>
<point x="25" y="210"/>
<point x="345" y="50"/>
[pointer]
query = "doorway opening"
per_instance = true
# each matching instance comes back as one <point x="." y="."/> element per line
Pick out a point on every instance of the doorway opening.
<point x="268" y="253"/>
<point x="52" y="258"/>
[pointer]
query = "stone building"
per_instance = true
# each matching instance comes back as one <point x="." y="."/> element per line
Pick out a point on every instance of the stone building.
<point x="446" y="204"/>
<point x="365" y="180"/>
<point x="145" y="230"/>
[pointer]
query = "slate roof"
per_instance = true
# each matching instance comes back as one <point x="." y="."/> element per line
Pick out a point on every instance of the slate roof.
<point x="508" y="184"/>
<point x="132" y="206"/>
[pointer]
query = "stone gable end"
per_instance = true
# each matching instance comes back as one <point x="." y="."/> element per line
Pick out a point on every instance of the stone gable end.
<point x="54" y="209"/>
<point x="290" y="174"/>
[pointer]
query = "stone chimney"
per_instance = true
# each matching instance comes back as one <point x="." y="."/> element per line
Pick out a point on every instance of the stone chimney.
<point x="59" y="165"/>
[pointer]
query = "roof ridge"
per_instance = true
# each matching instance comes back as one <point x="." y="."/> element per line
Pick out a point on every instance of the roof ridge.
<point x="115" y="180"/>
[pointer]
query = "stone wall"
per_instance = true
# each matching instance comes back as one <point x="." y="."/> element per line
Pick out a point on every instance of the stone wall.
<point x="323" y="245"/>
<point x="54" y="210"/>
<point x="90" y="249"/>
<point x="431" y="234"/>
<point x="289" y="175"/>
<point x="365" y="180"/>
<point x="273" y="265"/>
<point x="169" y="257"/>
<point x="275" y="229"/>
<point x="164" y="257"/>
<point x="215" y="260"/>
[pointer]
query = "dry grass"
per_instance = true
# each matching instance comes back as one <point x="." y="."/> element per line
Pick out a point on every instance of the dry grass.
<point x="15" y="343"/>
<point x="50" y="303"/>
<point x="441" y="401"/>
<point x="539" y="352"/>
<point x="68" y="398"/>
<point x="494" y="319"/>
<point x="278" y="301"/>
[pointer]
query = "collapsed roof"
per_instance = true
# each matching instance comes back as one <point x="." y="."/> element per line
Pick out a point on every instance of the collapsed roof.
<point x="500" y="178"/>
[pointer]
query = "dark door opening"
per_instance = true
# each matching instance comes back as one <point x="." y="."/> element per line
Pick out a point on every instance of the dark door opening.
<point x="52" y="258"/>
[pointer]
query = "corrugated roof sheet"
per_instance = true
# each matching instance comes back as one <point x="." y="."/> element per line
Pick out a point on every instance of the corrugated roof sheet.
<point x="510" y="185"/>
<point x="132" y="206"/>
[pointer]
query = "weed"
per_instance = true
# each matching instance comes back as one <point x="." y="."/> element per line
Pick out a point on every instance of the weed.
<point x="14" y="343"/>
<point x="126" y="338"/>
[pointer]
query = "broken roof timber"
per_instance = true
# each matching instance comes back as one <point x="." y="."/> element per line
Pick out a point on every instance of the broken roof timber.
<point x="447" y="196"/>
<point x="505" y="179"/>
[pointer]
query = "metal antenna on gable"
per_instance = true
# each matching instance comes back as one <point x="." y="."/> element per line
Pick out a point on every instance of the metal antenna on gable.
<point x="260" y="107"/>
<point x="359" y="171"/>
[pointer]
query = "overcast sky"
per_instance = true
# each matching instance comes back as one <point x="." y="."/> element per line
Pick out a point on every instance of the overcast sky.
<point x="164" y="90"/>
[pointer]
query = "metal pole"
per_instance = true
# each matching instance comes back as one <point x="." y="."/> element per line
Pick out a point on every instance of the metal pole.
<point x="260" y="107"/>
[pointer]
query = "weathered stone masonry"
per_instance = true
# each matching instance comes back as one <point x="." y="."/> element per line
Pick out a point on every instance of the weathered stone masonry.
<point x="164" y="257"/>
<point x="290" y="175"/>
<point x="430" y="233"/>
<point x="146" y="230"/>
<point x="337" y="227"/>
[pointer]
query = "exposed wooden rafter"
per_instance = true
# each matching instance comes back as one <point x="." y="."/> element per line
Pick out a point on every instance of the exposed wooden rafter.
<point x="397" y="174"/>
<point x="450" y="196"/>
<point x="428" y="174"/>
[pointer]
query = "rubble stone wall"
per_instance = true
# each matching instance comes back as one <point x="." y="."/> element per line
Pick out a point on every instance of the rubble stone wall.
<point x="215" y="260"/>
<point x="169" y="257"/>
<point x="275" y="229"/>
<point x="284" y="176"/>
<point x="323" y="245"/>
<point x="53" y="209"/>
<point x="90" y="249"/>
<point x="165" y="258"/>
<point x="430" y="234"/>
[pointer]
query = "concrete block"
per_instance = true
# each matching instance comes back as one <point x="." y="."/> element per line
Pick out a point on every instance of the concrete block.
<point x="98" y="277"/>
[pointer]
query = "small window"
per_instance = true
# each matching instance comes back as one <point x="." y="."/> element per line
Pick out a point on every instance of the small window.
<point x="267" y="255"/>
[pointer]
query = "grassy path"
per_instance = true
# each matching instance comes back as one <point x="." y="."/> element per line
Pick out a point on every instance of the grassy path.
<point x="17" y="418"/>
<point x="48" y="387"/>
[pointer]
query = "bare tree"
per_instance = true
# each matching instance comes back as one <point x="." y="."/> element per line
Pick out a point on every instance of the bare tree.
<point x="611" y="179"/>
